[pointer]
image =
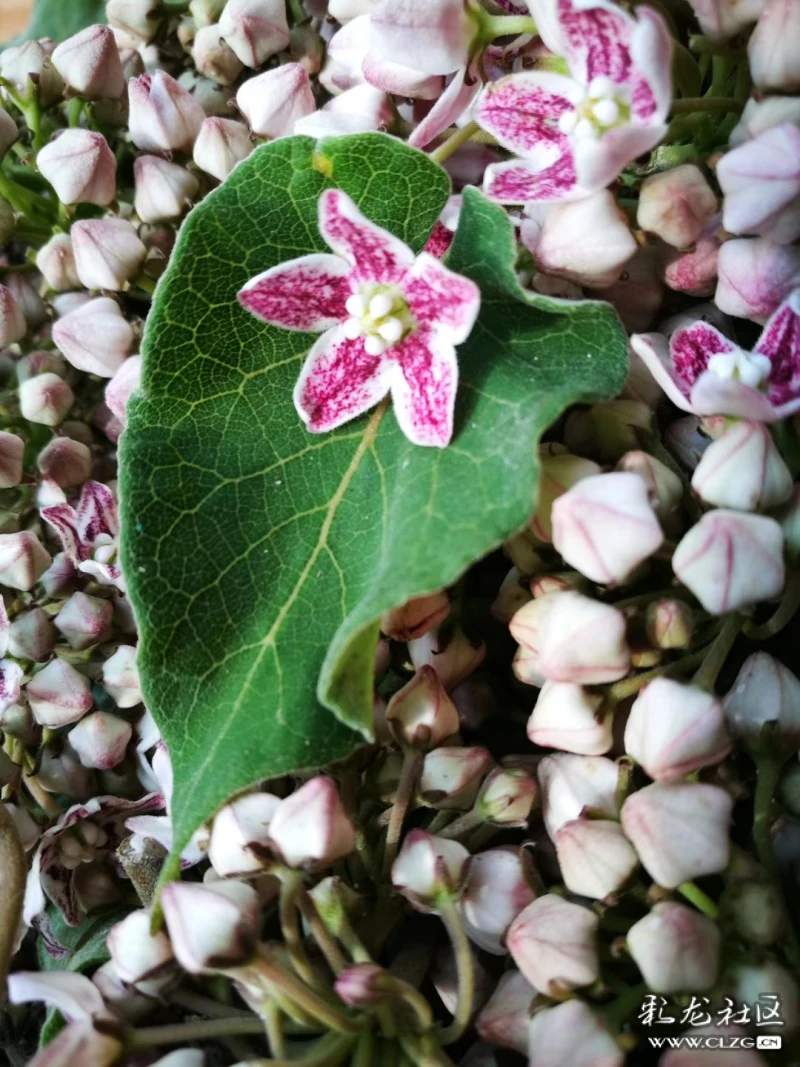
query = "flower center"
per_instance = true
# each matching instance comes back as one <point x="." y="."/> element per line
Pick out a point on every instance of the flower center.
<point x="750" y="368"/>
<point x="380" y="315"/>
<point x="604" y="106"/>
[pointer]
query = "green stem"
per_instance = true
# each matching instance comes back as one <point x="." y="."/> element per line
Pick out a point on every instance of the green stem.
<point x="364" y="1051"/>
<point x="325" y="940"/>
<point x="175" y="7"/>
<point x="702" y="901"/>
<point x="507" y="26"/>
<point x="305" y="998"/>
<point x="291" y="885"/>
<point x="413" y="998"/>
<point x="718" y="653"/>
<point x="785" y="612"/>
<point x="465" y="970"/>
<point x="273" y="1023"/>
<point x="629" y="686"/>
<point x="464" y="824"/>
<point x="12" y="889"/>
<point x="454" y="142"/>
<point x="705" y="103"/>
<point x="74" y="111"/>
<point x="412" y="764"/>
<point x="145" y="283"/>
<point x="619" y="1011"/>
<point x="329" y="1051"/>
<point x="704" y="46"/>
<point x="198" y="1030"/>
<point x="24" y="201"/>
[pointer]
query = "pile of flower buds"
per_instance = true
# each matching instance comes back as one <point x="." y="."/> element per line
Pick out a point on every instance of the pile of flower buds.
<point x="583" y="801"/>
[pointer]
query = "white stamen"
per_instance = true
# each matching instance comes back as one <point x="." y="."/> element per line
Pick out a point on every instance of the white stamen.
<point x="601" y="86"/>
<point x="585" y="130"/>
<point x="568" y="121"/>
<point x="356" y="306"/>
<point x="380" y="305"/>
<point x="606" y="112"/>
<point x="374" y="346"/>
<point x="750" y="368"/>
<point x="352" y="327"/>
<point x="391" y="330"/>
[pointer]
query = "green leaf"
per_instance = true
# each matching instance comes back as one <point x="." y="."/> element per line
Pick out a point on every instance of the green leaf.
<point x="59" y="19"/>
<point x="259" y="558"/>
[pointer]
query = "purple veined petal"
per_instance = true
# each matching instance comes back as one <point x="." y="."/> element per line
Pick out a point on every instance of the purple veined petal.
<point x="780" y="342"/>
<point x="712" y="395"/>
<point x="11" y="675"/>
<point x="653" y="350"/>
<point x="64" y="520"/>
<point x="306" y="294"/>
<point x="521" y="111"/>
<point x="74" y="995"/>
<point x="439" y="298"/>
<point x="449" y="108"/>
<point x="521" y="181"/>
<point x="651" y="52"/>
<point x="424" y="384"/>
<point x="691" y="347"/>
<point x="596" y="37"/>
<point x="97" y="512"/>
<point x="599" y="160"/>
<point x="399" y="80"/>
<point x="339" y="381"/>
<point x="374" y="254"/>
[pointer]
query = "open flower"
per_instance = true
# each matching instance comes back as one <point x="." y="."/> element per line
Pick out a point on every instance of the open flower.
<point x="705" y="373"/>
<point x="391" y="322"/>
<point x="89" y="532"/>
<point x="575" y="134"/>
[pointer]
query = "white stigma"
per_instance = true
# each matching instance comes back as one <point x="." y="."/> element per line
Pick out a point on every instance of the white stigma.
<point x="602" y="86"/>
<point x="352" y="327"/>
<point x="380" y="316"/>
<point x="391" y="330"/>
<point x="585" y="130"/>
<point x="380" y="305"/>
<point x="606" y="112"/>
<point x="568" y="121"/>
<point x="749" y="368"/>
<point x="373" y="345"/>
<point x="356" y="305"/>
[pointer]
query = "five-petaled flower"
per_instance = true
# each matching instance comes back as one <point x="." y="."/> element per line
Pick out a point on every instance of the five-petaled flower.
<point x="704" y="372"/>
<point x="391" y="322"/>
<point x="89" y="532"/>
<point x="575" y="134"/>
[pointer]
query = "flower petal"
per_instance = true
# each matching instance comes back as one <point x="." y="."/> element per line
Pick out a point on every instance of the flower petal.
<point x="74" y="995"/>
<point x="424" y="387"/>
<point x="374" y="254"/>
<point x="598" y="161"/>
<point x="307" y="293"/>
<point x="339" y="381"/>
<point x="521" y="112"/>
<point x="651" y="52"/>
<point x="97" y="512"/>
<point x="448" y="109"/>
<point x="5" y="625"/>
<point x="712" y="395"/>
<point x="439" y="297"/>
<point x="780" y="341"/>
<point x="595" y="38"/>
<point x="11" y="675"/>
<point x="653" y="350"/>
<point x="399" y="80"/>
<point x="521" y="181"/>
<point x="691" y="347"/>
<point x="64" y="520"/>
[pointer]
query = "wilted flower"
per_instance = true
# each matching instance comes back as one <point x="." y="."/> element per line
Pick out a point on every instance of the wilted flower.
<point x="761" y="185"/>
<point x="81" y="167"/>
<point x="495" y="892"/>
<point x="429" y="870"/>
<point x="211" y="926"/>
<point x="765" y="691"/>
<point x="572" y="1035"/>
<point x="595" y="857"/>
<point x="272" y="102"/>
<point x="240" y="835"/>
<point x="570" y="717"/>
<point x="743" y="469"/>
<point x="95" y="337"/>
<point x="88" y="532"/>
<point x="310" y="828"/>
<point x="554" y="944"/>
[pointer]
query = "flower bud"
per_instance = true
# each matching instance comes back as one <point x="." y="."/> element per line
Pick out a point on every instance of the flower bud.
<point x="255" y="29"/>
<point x="213" y="58"/>
<point x="774" y="63"/>
<point x="676" y="204"/>
<point x="66" y="462"/>
<point x="362" y="985"/>
<point x="758" y="912"/>
<point x="572" y="784"/>
<point x="605" y="526"/>
<point x="695" y="272"/>
<point x="31" y="636"/>
<point x="755" y="276"/>
<point x="23" y="560"/>
<point x="81" y="167"/>
<point x="122" y="386"/>
<point x="107" y="252"/>
<point x="731" y="559"/>
<point x="451" y="777"/>
<point x="505" y="1018"/>
<point x="506" y="797"/>
<point x="421" y="713"/>
<point x="163" y="190"/>
<point x="240" y="835"/>
<point x="512" y="595"/>
<point x="595" y="857"/>
<point x="59" y="695"/>
<point x="57" y="263"/>
<point x="760" y="186"/>
<point x="8" y="134"/>
<point x="452" y="656"/>
<point x="765" y="691"/>
<point x="272" y="102"/>
<point x="30" y="70"/>
<point x="680" y="830"/>
<point x="138" y="19"/>
<point x="429" y="870"/>
<point x="100" y="740"/>
<point x="90" y="65"/>
<point x="572" y="1035"/>
<point x="220" y="145"/>
<point x="211" y="926"/>
<point x="743" y="469"/>
<point x="310" y="828"/>
<point x="762" y="114"/>
<point x="26" y="294"/>
<point x="121" y="677"/>
<point x="586" y="241"/>
<point x="45" y="399"/>
<point x="664" y="487"/>
<point x="674" y="729"/>
<point x="11" y="452"/>
<point x="164" y="117"/>
<point x="558" y="474"/>
<point x="362" y="109"/>
<point x="85" y="621"/>
<point x="495" y="892"/>
<point x="95" y="337"/>
<point x="414" y="618"/>
<point x="554" y="944"/>
<point x="676" y="949"/>
<point x="569" y="717"/>
<point x="669" y="623"/>
<point x="12" y="321"/>
<point x="137" y="953"/>
<point x="771" y="986"/>
<point x="574" y="639"/>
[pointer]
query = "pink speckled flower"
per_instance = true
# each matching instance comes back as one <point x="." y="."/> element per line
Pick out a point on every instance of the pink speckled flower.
<point x="391" y="322"/>
<point x="705" y="373"/>
<point x="89" y="532"/>
<point x="575" y="134"/>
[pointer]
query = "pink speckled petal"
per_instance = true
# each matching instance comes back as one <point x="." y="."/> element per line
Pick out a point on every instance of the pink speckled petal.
<point x="651" y="52"/>
<point x="424" y="387"/>
<point x="780" y="341"/>
<point x="438" y="297"/>
<point x="711" y="395"/>
<point x="691" y="347"/>
<point x="64" y="521"/>
<point x="596" y="37"/>
<point x="521" y="111"/>
<point x="521" y="181"/>
<point x="97" y="512"/>
<point x="653" y="350"/>
<point x="11" y="675"/>
<point x="599" y="161"/>
<point x="307" y="293"/>
<point x="374" y="254"/>
<point x="339" y="381"/>
<point x="448" y="109"/>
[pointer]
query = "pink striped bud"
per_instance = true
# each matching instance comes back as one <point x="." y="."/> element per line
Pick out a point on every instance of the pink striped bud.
<point x="107" y="252"/>
<point x="572" y="1035"/>
<point x="414" y="618"/>
<point x="57" y="263"/>
<point x="362" y="985"/>
<point x="121" y="677"/>
<point x="664" y="487"/>
<point x="421" y="713"/>
<point x="507" y="797"/>
<point x="554" y="944"/>
<point x="676" y="949"/>
<point x="761" y="187"/>
<point x="30" y="70"/>
<point x="429" y="870"/>
<point x="763" y="114"/>
<point x="100" y="740"/>
<point x="451" y="777"/>
<point x="90" y="65"/>
<point x="11" y="452"/>
<point x="95" y="337"/>
<point x="586" y="241"/>
<point x="569" y="717"/>
<point x="595" y="857"/>
<point x="85" y="621"/>
<point x="45" y="399"/>
<point x="220" y="145"/>
<point x="164" y="117"/>
<point x="81" y="167"/>
<point x="669" y="624"/>
<point x="310" y="828"/>
<point x="66" y="462"/>
<point x="434" y="38"/>
<point x="743" y="469"/>
<point x="211" y="926"/>
<point x="137" y="953"/>
<point x="676" y="204"/>
<point x="495" y="892"/>
<point x="755" y="276"/>
<point x="122" y="386"/>
<point x="139" y="20"/>
<point x="255" y="29"/>
<point x="213" y="58"/>
<point x="163" y="190"/>
<point x="59" y="695"/>
<point x="559" y="473"/>
<point x="31" y="636"/>
<point x="240" y="835"/>
<point x="272" y="102"/>
<point x="765" y="691"/>
<point x="23" y="559"/>
<point x="572" y="784"/>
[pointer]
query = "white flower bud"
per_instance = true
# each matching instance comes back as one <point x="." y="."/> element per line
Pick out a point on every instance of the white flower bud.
<point x="680" y="830"/>
<point x="674" y="729"/>
<point x="137" y="953"/>
<point x="558" y="474"/>
<point x="81" y="167"/>
<point x="310" y="827"/>
<point x="495" y="892"/>
<point x="121" y="677"/>
<point x="30" y="70"/>
<point x="213" y="58"/>
<point x="211" y="926"/>
<point x="676" y="949"/>
<point x="220" y="145"/>
<point x="765" y="691"/>
<point x="31" y="636"/>
<point x="108" y="252"/>
<point x="45" y="399"/>
<point x="23" y="559"/>
<point x="255" y="29"/>
<point x="669" y="623"/>
<point x="774" y="63"/>
<point x="421" y="713"/>
<point x="85" y="621"/>
<point x="569" y="717"/>
<point x="743" y="470"/>
<point x="164" y="117"/>
<point x="11" y="452"/>
<point x="595" y="857"/>
<point x="138" y="19"/>
<point x="66" y="462"/>
<point x="753" y="983"/>
<point x="554" y="944"/>
<point x="451" y="777"/>
<point x="25" y="292"/>
<point x="95" y="337"/>
<point x="731" y="559"/>
<point x="676" y="204"/>
<point x="8" y="131"/>
<point x="101" y="739"/>
<point x="240" y="835"/>
<point x="429" y="870"/>
<point x="57" y="263"/>
<point x="59" y="695"/>
<point x="586" y="241"/>
<point x="755" y="275"/>
<point x="572" y="1035"/>
<point x="570" y="784"/>
<point x="122" y="386"/>
<point x="12" y="321"/>
<point x="414" y="618"/>
<point x="453" y="656"/>
<point x="90" y="65"/>
<point x="664" y="487"/>
<point x="505" y="1018"/>
<point x="163" y="190"/>
<point x="272" y="102"/>
<point x="507" y="797"/>
<point x="758" y="912"/>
